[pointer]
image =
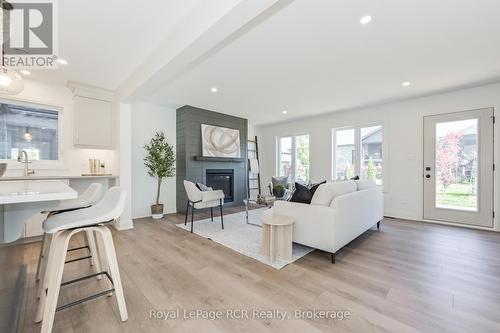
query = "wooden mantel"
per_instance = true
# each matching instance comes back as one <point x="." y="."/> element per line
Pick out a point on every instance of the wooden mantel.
<point x="219" y="159"/>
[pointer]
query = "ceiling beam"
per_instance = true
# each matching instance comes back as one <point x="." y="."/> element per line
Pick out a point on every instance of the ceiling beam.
<point x="208" y="29"/>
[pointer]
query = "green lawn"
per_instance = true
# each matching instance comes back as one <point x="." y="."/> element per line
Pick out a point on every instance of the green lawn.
<point x="457" y="195"/>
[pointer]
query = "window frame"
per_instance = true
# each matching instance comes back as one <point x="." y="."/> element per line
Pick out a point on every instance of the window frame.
<point x="357" y="148"/>
<point x="39" y="164"/>
<point x="293" y="157"/>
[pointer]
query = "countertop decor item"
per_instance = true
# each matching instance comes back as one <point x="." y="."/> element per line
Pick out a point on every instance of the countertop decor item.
<point x="3" y="168"/>
<point x="160" y="164"/>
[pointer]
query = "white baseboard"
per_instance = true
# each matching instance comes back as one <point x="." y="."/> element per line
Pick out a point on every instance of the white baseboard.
<point x="410" y="217"/>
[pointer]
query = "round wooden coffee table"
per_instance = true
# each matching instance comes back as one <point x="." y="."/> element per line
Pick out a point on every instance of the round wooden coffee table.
<point x="277" y="236"/>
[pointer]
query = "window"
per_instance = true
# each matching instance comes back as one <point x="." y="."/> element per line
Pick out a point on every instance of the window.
<point x="345" y="156"/>
<point x="285" y="157"/>
<point x="358" y="151"/>
<point x="32" y="129"/>
<point x="293" y="157"/>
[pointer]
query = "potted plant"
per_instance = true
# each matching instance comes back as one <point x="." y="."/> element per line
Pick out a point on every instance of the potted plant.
<point x="160" y="164"/>
<point x="279" y="191"/>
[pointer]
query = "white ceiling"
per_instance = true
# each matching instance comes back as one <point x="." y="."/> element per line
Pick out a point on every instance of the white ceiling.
<point x="313" y="57"/>
<point x="105" y="41"/>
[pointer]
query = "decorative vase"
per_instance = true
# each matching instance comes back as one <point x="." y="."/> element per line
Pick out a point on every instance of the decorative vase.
<point x="157" y="211"/>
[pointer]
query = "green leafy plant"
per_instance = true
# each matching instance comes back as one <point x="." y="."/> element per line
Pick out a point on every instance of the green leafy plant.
<point x="279" y="190"/>
<point x="371" y="172"/>
<point x="348" y="172"/>
<point x="159" y="160"/>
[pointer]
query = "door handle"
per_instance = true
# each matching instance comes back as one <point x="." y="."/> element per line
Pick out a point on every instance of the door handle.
<point x="427" y="176"/>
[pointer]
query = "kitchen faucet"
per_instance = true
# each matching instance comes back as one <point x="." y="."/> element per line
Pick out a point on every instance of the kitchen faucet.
<point x="27" y="171"/>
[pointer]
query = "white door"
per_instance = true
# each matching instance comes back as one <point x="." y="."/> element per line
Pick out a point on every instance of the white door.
<point x="458" y="167"/>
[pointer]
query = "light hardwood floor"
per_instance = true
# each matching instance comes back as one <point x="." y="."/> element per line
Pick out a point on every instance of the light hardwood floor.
<point x="407" y="277"/>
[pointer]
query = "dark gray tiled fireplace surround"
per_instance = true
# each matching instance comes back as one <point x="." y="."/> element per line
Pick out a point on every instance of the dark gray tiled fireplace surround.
<point x="189" y="163"/>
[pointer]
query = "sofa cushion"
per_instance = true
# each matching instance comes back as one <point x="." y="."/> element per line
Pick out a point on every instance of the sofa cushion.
<point x="304" y="194"/>
<point x="327" y="192"/>
<point x="365" y="184"/>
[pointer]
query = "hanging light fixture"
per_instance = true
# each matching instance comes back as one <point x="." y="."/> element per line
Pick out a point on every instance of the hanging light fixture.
<point x="27" y="135"/>
<point x="11" y="82"/>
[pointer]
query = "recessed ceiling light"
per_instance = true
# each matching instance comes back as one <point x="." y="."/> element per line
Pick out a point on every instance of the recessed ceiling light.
<point x="214" y="90"/>
<point x="365" y="19"/>
<point x="406" y="84"/>
<point x="62" y="61"/>
<point x="25" y="72"/>
<point x="284" y="111"/>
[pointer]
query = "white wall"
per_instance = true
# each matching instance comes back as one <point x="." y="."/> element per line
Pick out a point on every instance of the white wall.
<point x="74" y="161"/>
<point x="252" y="130"/>
<point x="403" y="135"/>
<point x="123" y="116"/>
<point x="146" y="120"/>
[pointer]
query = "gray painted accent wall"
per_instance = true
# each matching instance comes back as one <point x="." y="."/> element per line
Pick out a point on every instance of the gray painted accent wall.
<point x="189" y="120"/>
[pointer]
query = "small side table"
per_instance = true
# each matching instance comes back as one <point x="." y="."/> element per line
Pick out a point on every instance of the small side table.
<point x="277" y="236"/>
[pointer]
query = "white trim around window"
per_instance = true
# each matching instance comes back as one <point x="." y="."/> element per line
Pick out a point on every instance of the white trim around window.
<point x="293" y="156"/>
<point x="357" y="150"/>
<point x="40" y="164"/>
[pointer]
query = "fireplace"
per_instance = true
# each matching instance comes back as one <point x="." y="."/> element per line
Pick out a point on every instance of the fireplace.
<point x="221" y="179"/>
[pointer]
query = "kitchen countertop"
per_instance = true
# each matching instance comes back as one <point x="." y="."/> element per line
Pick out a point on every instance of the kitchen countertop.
<point x="36" y="177"/>
<point x="21" y="191"/>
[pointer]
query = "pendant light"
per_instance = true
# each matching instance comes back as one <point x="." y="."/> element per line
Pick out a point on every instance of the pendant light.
<point x="27" y="135"/>
<point x="11" y="82"/>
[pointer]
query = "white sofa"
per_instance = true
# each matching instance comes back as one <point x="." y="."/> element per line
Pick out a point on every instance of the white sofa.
<point x="339" y="212"/>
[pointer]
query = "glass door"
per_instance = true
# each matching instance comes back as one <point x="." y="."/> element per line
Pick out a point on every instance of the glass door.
<point x="458" y="167"/>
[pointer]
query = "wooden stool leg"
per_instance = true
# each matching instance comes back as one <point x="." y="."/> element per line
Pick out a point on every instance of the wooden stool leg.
<point x="89" y="234"/>
<point x="114" y="271"/>
<point x="44" y="271"/>
<point x="53" y="244"/>
<point x="48" y="270"/>
<point x="102" y="257"/>
<point x="54" y="285"/>
<point x="41" y="257"/>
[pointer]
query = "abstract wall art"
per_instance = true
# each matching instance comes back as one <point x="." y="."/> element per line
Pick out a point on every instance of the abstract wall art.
<point x="220" y="141"/>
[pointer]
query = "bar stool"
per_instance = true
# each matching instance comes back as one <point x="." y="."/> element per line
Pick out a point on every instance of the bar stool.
<point x="62" y="227"/>
<point x="85" y="200"/>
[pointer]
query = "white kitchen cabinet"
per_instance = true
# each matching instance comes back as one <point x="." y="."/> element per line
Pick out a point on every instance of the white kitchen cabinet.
<point x="93" y="123"/>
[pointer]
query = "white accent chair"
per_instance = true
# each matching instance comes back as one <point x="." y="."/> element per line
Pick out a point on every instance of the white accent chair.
<point x="62" y="227"/>
<point x="88" y="198"/>
<point x="198" y="199"/>
<point x="339" y="212"/>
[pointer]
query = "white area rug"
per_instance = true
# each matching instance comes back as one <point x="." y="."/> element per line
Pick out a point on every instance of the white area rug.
<point x="242" y="237"/>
